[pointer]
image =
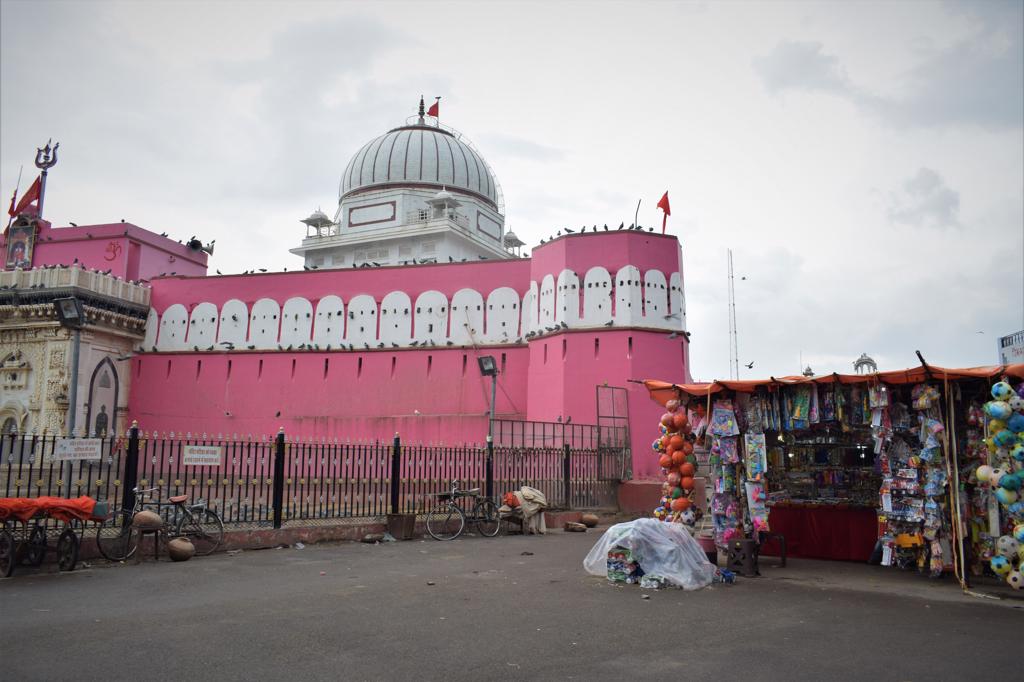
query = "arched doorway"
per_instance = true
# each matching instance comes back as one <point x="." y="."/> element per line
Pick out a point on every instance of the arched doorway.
<point x="101" y="415"/>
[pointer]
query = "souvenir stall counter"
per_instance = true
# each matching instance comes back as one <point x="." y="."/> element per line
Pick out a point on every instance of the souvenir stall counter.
<point x="920" y="469"/>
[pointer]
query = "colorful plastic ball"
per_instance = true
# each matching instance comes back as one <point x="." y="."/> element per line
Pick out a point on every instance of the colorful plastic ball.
<point x="1015" y="580"/>
<point x="676" y="442"/>
<point x="656" y="445"/>
<point x="1015" y="423"/>
<point x="996" y="476"/>
<point x="1005" y="438"/>
<point x="672" y="405"/>
<point x="1002" y="391"/>
<point x="1007" y="546"/>
<point x="998" y="409"/>
<point x="1017" y="452"/>
<point x="680" y="504"/>
<point x="687" y="448"/>
<point x="1016" y="403"/>
<point x="686" y="483"/>
<point x="673" y="479"/>
<point x="666" y="420"/>
<point x="990" y="444"/>
<point x="1006" y="497"/>
<point x="687" y="469"/>
<point x="984" y="473"/>
<point x="692" y="459"/>
<point x="996" y="425"/>
<point x="662" y="429"/>
<point x="678" y="457"/>
<point x="1010" y="482"/>
<point x="660" y="513"/>
<point x="1020" y="555"/>
<point x="1000" y="565"/>
<point x="1018" y="532"/>
<point x="679" y="420"/>
<point x="688" y="517"/>
<point x="664" y="461"/>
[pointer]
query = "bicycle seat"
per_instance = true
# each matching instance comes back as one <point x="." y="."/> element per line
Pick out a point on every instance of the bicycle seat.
<point x="178" y="499"/>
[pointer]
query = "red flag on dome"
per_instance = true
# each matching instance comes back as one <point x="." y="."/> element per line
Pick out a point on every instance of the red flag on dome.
<point x="663" y="205"/>
<point x="31" y="195"/>
<point x="434" y="109"/>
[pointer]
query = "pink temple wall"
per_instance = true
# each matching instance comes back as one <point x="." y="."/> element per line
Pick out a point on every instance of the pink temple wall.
<point x="129" y="251"/>
<point x="371" y="394"/>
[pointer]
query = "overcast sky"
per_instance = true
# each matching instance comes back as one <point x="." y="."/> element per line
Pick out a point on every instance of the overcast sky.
<point x="864" y="161"/>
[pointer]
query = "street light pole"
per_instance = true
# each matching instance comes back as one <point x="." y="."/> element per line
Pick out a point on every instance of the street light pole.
<point x="73" y="389"/>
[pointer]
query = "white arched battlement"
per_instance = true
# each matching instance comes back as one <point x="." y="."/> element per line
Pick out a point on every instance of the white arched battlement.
<point x="152" y="329"/>
<point x="296" y="322"/>
<point x="234" y="323"/>
<point x="529" y="315"/>
<point x="677" y="301"/>
<point x="396" y="319"/>
<point x="264" y="324"/>
<point x="567" y="298"/>
<point x="329" y="323"/>
<point x="546" y="316"/>
<point x="467" y="318"/>
<point x="597" y="297"/>
<point x="502" y="319"/>
<point x="628" y="296"/>
<point x="656" y="300"/>
<point x="430" y="323"/>
<point x="361" y="321"/>
<point x="172" y="328"/>
<point x="202" y="326"/>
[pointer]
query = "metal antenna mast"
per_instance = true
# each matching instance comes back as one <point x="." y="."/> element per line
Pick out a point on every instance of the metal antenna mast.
<point x="734" y="353"/>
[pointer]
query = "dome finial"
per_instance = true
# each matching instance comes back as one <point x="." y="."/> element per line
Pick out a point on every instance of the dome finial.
<point x="423" y="111"/>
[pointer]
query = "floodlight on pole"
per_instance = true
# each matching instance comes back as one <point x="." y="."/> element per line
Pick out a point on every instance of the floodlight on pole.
<point x="71" y="314"/>
<point x="489" y="368"/>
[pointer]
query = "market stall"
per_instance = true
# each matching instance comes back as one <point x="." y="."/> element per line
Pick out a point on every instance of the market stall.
<point x="918" y="468"/>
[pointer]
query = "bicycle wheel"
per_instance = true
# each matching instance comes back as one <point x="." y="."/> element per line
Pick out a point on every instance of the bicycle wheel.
<point x="115" y="537"/>
<point x="445" y="521"/>
<point x="37" y="546"/>
<point x="6" y="553"/>
<point x="488" y="522"/>
<point x="203" y="528"/>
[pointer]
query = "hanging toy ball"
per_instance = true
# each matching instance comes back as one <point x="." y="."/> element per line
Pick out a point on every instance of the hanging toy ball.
<point x="682" y="504"/>
<point x="666" y="420"/>
<point x="672" y="405"/>
<point x="1004" y="439"/>
<point x="1007" y="546"/>
<point x="1010" y="482"/>
<point x="998" y="409"/>
<point x="984" y="473"/>
<point x="996" y="425"/>
<point x="688" y="517"/>
<point x="1002" y="391"/>
<point x="686" y="483"/>
<point x="1016" y="404"/>
<point x="660" y="513"/>
<point x="1006" y="497"/>
<point x="679" y="420"/>
<point x="677" y="492"/>
<point x="1000" y="565"/>
<point x="673" y="479"/>
<point x="662" y="429"/>
<point x="1017" y="452"/>
<point x="678" y="457"/>
<point x="656" y="445"/>
<point x="664" y="461"/>
<point x="687" y="448"/>
<point x="1015" y="423"/>
<point x="996" y="476"/>
<point x="1015" y="580"/>
<point x="687" y="469"/>
<point x="1018" y="532"/>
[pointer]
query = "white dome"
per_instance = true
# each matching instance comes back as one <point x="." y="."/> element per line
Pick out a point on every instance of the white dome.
<point x="419" y="156"/>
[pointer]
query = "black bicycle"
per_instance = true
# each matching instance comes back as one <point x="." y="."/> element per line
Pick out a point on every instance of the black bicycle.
<point x="116" y="539"/>
<point x="447" y="519"/>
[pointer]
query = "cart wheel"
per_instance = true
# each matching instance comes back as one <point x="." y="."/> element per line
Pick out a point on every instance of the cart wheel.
<point x="67" y="550"/>
<point x="6" y="553"/>
<point x="37" y="546"/>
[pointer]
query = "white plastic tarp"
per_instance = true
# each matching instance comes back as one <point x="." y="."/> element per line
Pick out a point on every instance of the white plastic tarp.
<point x="664" y="549"/>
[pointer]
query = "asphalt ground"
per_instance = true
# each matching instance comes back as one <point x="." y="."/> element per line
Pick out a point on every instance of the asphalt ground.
<point x="480" y="609"/>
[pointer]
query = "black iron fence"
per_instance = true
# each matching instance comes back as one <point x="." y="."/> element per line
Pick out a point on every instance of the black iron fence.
<point x="273" y="481"/>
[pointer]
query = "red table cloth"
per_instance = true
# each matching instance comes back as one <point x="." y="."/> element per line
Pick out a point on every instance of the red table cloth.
<point x="840" y="534"/>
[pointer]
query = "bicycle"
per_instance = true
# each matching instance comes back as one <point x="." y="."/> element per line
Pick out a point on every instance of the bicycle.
<point x="203" y="527"/>
<point x="447" y="520"/>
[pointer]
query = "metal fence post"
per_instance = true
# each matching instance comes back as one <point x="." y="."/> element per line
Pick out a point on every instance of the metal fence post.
<point x="278" y="499"/>
<point x="396" y="472"/>
<point x="131" y="468"/>
<point x="567" y="474"/>
<point x="489" y="469"/>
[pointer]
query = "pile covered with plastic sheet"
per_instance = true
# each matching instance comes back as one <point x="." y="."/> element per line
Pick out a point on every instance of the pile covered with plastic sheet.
<point x="662" y="550"/>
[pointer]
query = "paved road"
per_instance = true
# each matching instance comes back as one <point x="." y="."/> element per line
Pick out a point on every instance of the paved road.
<point x="353" y="612"/>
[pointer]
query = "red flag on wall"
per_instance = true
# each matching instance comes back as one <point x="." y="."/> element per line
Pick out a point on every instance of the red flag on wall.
<point x="663" y="205"/>
<point x="434" y="109"/>
<point x="31" y="195"/>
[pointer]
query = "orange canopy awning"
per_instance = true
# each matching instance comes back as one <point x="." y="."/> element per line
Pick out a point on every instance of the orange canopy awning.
<point x="663" y="391"/>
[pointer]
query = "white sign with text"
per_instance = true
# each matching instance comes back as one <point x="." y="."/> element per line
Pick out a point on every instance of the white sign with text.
<point x="202" y="455"/>
<point x="76" y="449"/>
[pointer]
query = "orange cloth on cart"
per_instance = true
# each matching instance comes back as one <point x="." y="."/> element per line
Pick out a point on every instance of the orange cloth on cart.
<point x="60" y="508"/>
